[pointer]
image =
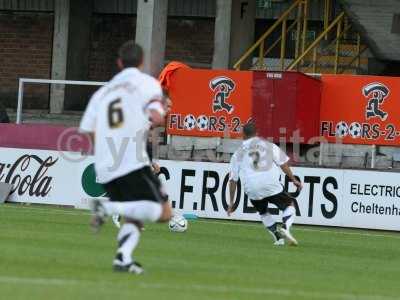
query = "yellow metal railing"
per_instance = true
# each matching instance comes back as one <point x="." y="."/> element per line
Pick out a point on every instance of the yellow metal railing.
<point x="260" y="59"/>
<point x="298" y="7"/>
<point x="336" y="23"/>
<point x="260" y="44"/>
<point x="327" y="15"/>
<point x="356" y="58"/>
<point x="335" y="42"/>
<point x="306" y="55"/>
<point x="342" y="28"/>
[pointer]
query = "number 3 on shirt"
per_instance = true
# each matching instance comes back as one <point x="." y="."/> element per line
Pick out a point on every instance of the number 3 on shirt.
<point x="115" y="114"/>
<point x="261" y="159"/>
<point x="255" y="156"/>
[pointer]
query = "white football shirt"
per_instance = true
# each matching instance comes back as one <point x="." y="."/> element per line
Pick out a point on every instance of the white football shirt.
<point x="117" y="115"/>
<point x="257" y="163"/>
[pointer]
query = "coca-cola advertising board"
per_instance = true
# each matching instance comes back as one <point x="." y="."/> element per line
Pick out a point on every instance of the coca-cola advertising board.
<point x="40" y="176"/>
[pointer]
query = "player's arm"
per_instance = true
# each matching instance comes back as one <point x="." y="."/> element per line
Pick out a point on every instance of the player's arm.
<point x="155" y="111"/>
<point x="166" y="105"/>
<point x="91" y="136"/>
<point x="156" y="168"/>
<point x="233" y="179"/>
<point x="232" y="192"/>
<point x="286" y="169"/>
<point x="88" y="123"/>
<point x="155" y="105"/>
<point x="282" y="160"/>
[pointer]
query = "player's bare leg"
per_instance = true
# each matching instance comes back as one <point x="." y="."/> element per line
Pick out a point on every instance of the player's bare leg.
<point x="99" y="214"/>
<point x="166" y="213"/>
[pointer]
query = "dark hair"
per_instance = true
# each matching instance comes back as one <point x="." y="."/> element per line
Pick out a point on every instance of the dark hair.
<point x="249" y="129"/>
<point x="131" y="54"/>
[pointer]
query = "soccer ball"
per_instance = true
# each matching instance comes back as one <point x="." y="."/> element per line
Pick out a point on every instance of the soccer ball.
<point x="178" y="224"/>
<point x="189" y="122"/>
<point x="202" y="123"/>
<point x="355" y="130"/>
<point x="342" y="129"/>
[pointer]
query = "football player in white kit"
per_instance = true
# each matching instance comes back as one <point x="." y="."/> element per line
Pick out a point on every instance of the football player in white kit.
<point x="156" y="168"/>
<point x="258" y="163"/>
<point x="118" y="118"/>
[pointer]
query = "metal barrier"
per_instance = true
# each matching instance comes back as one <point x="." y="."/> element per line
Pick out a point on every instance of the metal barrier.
<point x="23" y="81"/>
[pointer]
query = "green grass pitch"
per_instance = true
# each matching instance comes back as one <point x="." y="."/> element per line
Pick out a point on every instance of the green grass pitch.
<point x="50" y="253"/>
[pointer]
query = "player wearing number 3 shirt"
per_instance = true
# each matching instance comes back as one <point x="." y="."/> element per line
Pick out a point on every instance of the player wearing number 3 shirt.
<point x="259" y="163"/>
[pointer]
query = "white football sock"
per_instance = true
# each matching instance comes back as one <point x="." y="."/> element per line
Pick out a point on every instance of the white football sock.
<point x="128" y="239"/>
<point x="267" y="220"/>
<point x="143" y="211"/>
<point x="270" y="224"/>
<point x="288" y="217"/>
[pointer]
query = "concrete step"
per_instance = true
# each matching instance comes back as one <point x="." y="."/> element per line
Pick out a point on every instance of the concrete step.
<point x="328" y="70"/>
<point x="346" y="150"/>
<point x="187" y="143"/>
<point x="353" y="162"/>
<point x="345" y="50"/>
<point x="329" y="60"/>
<point x="350" y="47"/>
<point x="71" y="118"/>
<point x="229" y="145"/>
<point x="182" y="143"/>
<point x="381" y="162"/>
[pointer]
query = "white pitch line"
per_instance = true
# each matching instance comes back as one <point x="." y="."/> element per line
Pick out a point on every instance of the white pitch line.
<point x="265" y="291"/>
<point x="38" y="281"/>
<point x="50" y="210"/>
<point x="333" y="230"/>
<point x="214" y="288"/>
<point x="235" y="223"/>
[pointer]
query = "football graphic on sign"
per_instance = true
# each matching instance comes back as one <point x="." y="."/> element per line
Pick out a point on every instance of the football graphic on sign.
<point x="342" y="129"/>
<point x="202" y="123"/>
<point x="190" y="122"/>
<point x="355" y="130"/>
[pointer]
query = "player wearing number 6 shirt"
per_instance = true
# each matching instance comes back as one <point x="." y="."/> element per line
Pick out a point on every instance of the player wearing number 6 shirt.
<point x="118" y="117"/>
<point x="258" y="163"/>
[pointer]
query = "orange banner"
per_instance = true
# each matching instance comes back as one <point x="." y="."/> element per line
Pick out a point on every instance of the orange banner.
<point x="361" y="109"/>
<point x="209" y="103"/>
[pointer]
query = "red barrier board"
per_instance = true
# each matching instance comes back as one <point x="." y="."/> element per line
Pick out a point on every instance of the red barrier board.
<point x="361" y="109"/>
<point x="43" y="137"/>
<point x="286" y="105"/>
<point x="209" y="103"/>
